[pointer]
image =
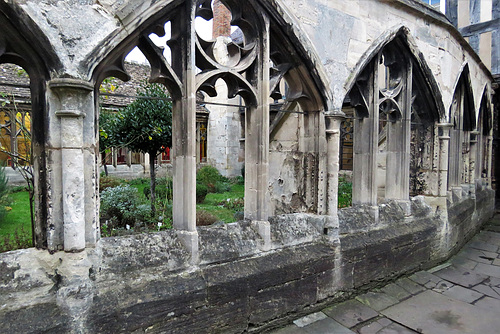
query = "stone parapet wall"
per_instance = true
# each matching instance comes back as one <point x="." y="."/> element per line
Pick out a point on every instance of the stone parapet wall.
<point x="141" y="282"/>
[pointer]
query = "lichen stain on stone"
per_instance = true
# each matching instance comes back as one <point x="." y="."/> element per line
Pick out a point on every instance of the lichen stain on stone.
<point x="448" y="318"/>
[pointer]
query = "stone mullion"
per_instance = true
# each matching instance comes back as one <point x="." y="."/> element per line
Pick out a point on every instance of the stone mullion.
<point x="473" y="158"/>
<point x="444" y="145"/>
<point x="184" y="138"/>
<point x="333" y="122"/>
<point x="397" y="183"/>
<point x="490" y="160"/>
<point x="257" y="138"/>
<point x="366" y="146"/>
<point x="73" y="97"/>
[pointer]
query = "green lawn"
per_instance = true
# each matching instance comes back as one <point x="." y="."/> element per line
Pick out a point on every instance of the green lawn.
<point x="18" y="216"/>
<point x="212" y="201"/>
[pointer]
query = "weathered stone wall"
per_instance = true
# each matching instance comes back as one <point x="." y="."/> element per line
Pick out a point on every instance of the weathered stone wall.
<point x="141" y="282"/>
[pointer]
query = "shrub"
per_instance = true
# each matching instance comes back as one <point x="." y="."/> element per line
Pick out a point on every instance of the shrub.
<point x="163" y="190"/>
<point x="4" y="192"/>
<point x="222" y="187"/>
<point x="106" y="182"/>
<point x="201" y="192"/>
<point x="21" y="239"/>
<point x="138" y="181"/>
<point x="209" y="176"/>
<point x="233" y="204"/>
<point x="344" y="193"/>
<point x="121" y="206"/>
<point x="204" y="218"/>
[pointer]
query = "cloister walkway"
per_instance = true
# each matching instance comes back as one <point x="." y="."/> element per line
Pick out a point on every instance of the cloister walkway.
<point x="459" y="296"/>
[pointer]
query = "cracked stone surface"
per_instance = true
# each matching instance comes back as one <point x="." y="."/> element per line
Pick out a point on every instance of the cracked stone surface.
<point x="459" y="296"/>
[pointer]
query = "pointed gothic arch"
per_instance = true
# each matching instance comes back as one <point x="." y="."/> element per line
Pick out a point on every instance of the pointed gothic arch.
<point x="256" y="65"/>
<point x="22" y="43"/>
<point x="396" y="104"/>
<point x="462" y="118"/>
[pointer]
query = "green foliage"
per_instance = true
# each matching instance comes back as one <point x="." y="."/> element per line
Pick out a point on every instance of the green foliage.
<point x="145" y="125"/>
<point x="4" y="192"/>
<point x="106" y="182"/>
<point x="201" y="192"/>
<point x="19" y="240"/>
<point x="121" y="206"/>
<point x="344" y="193"/>
<point x="211" y="178"/>
<point x="204" y="218"/>
<point x="208" y="176"/>
<point x="236" y="204"/>
<point x="107" y="124"/>
<point x="163" y="190"/>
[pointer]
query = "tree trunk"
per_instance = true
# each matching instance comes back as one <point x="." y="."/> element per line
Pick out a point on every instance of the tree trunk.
<point x="103" y="160"/>
<point x="153" y="181"/>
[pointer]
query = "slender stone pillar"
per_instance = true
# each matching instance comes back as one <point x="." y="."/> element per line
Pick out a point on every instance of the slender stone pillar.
<point x="184" y="135"/>
<point x="490" y="160"/>
<point x="257" y="141"/>
<point x="397" y="184"/>
<point x="333" y="121"/>
<point x="364" y="185"/>
<point x="257" y="146"/>
<point x="473" y="156"/>
<point x="444" y="142"/>
<point x="74" y="96"/>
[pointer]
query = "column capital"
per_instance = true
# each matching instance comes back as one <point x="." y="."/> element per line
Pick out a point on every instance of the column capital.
<point x="332" y="121"/>
<point x="69" y="83"/>
<point x="445" y="126"/>
<point x="72" y="95"/>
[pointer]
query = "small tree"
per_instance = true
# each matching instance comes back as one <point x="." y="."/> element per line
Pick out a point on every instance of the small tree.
<point x="106" y="124"/>
<point x="145" y="125"/>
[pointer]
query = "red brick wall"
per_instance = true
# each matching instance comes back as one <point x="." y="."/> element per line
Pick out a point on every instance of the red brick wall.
<point x="222" y="20"/>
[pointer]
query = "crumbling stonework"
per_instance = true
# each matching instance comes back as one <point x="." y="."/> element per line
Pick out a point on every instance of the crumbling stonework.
<point x="295" y="250"/>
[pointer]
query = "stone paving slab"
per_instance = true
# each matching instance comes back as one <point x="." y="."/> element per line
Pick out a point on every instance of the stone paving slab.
<point x="460" y="293"/>
<point x="461" y="276"/>
<point x="489" y="303"/>
<point x="327" y="326"/>
<point x="486" y="290"/>
<point x="488" y="269"/>
<point x="396" y="291"/>
<point x="350" y="313"/>
<point x="459" y="296"/>
<point x="485" y="246"/>
<point x="433" y="313"/>
<point x="377" y="300"/>
<point x="478" y="255"/>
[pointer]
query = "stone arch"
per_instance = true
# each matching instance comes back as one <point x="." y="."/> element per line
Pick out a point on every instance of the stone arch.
<point x="462" y="118"/>
<point x="265" y="56"/>
<point x="426" y="78"/>
<point x="22" y="43"/>
<point x="483" y="138"/>
<point x="393" y="79"/>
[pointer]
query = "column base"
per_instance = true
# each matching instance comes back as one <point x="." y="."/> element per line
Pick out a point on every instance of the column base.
<point x="190" y="241"/>
<point x="263" y="228"/>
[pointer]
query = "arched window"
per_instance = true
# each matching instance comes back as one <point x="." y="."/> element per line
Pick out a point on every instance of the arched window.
<point x="463" y="120"/>
<point x="395" y="110"/>
<point x="252" y="65"/>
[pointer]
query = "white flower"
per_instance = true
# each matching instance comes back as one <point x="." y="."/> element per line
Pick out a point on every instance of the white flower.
<point x="127" y="227"/>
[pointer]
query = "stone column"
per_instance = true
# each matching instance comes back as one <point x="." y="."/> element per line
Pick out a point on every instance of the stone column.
<point x="257" y="145"/>
<point x="184" y="134"/>
<point x="444" y="142"/>
<point x="364" y="186"/>
<point x="333" y="121"/>
<point x="473" y="156"/>
<point x="490" y="160"/>
<point x="397" y="185"/>
<point x="74" y="97"/>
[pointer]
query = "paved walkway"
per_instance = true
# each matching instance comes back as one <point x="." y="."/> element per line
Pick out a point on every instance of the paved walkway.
<point x="459" y="296"/>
